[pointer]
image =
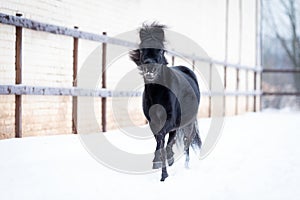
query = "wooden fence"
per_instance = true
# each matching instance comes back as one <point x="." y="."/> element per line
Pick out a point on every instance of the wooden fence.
<point x="18" y="89"/>
<point x="281" y="71"/>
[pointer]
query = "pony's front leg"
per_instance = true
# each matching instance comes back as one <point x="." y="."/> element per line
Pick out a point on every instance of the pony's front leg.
<point x="159" y="160"/>
<point x="160" y="154"/>
<point x="164" y="173"/>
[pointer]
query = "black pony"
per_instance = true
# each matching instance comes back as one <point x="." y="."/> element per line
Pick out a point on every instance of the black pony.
<point x="170" y="100"/>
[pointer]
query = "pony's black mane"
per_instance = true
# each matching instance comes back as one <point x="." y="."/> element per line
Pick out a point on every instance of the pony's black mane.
<point x="154" y="31"/>
<point x="151" y="36"/>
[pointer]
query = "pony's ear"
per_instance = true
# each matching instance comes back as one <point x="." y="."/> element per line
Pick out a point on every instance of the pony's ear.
<point x="135" y="56"/>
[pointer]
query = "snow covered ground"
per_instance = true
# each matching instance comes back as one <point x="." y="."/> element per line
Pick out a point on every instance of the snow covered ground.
<point x="257" y="157"/>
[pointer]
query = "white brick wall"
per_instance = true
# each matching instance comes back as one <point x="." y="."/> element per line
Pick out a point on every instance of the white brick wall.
<point x="7" y="76"/>
<point x="47" y="58"/>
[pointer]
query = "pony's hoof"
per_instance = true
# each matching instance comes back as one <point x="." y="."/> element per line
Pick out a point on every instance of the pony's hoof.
<point x="157" y="165"/>
<point x="163" y="178"/>
<point x="170" y="161"/>
<point x="187" y="165"/>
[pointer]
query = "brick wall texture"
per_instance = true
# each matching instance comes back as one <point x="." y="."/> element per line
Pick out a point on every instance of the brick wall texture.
<point x="47" y="58"/>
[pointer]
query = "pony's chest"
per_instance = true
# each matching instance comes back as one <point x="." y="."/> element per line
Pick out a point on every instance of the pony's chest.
<point x="157" y="94"/>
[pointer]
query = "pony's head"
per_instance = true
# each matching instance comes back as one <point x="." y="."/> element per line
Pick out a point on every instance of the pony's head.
<point x="151" y="54"/>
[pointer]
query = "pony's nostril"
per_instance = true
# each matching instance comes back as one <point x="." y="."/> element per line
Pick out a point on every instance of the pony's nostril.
<point x="148" y="61"/>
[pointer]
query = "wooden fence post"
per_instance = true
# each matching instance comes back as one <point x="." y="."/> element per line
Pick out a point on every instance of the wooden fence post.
<point x="103" y="99"/>
<point x="173" y="61"/>
<point x="74" y="98"/>
<point x="210" y="89"/>
<point x="247" y="88"/>
<point x="260" y="89"/>
<point x="255" y="87"/>
<point x="193" y="65"/>
<point x="237" y="89"/>
<point x="225" y="86"/>
<point x="18" y="68"/>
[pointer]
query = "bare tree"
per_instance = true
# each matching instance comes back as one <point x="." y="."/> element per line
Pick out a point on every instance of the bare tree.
<point x="284" y="22"/>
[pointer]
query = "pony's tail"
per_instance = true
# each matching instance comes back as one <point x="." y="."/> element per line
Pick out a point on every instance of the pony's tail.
<point x="196" y="142"/>
<point x="189" y="137"/>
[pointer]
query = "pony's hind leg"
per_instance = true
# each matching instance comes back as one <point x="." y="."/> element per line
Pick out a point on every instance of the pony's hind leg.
<point x="187" y="140"/>
<point x="169" y="150"/>
<point x="187" y="158"/>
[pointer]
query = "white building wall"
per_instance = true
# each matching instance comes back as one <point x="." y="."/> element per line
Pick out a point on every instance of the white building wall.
<point x="47" y="58"/>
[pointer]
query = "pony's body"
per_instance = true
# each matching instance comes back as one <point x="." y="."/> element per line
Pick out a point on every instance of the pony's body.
<point x="170" y="100"/>
<point x="176" y="86"/>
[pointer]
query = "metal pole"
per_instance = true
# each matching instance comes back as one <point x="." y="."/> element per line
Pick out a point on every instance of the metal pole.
<point x="74" y="98"/>
<point x="237" y="89"/>
<point x="103" y="99"/>
<point x="173" y="61"/>
<point x="240" y="31"/>
<point x="257" y="47"/>
<point x="255" y="87"/>
<point x="18" y="68"/>
<point x="193" y="65"/>
<point x="226" y="54"/>
<point x="239" y="56"/>
<point x="247" y="88"/>
<point x="260" y="46"/>
<point x="225" y="86"/>
<point x="210" y="89"/>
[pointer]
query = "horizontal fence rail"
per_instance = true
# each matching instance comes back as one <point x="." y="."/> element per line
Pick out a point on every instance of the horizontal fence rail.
<point x="282" y="70"/>
<point x="19" y="89"/>
<point x="281" y="93"/>
<point x="74" y="91"/>
<point x="55" y="91"/>
<point x="38" y="26"/>
<point x="216" y="62"/>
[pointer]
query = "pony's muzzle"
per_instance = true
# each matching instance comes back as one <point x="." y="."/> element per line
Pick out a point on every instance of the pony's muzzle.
<point x="149" y="76"/>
